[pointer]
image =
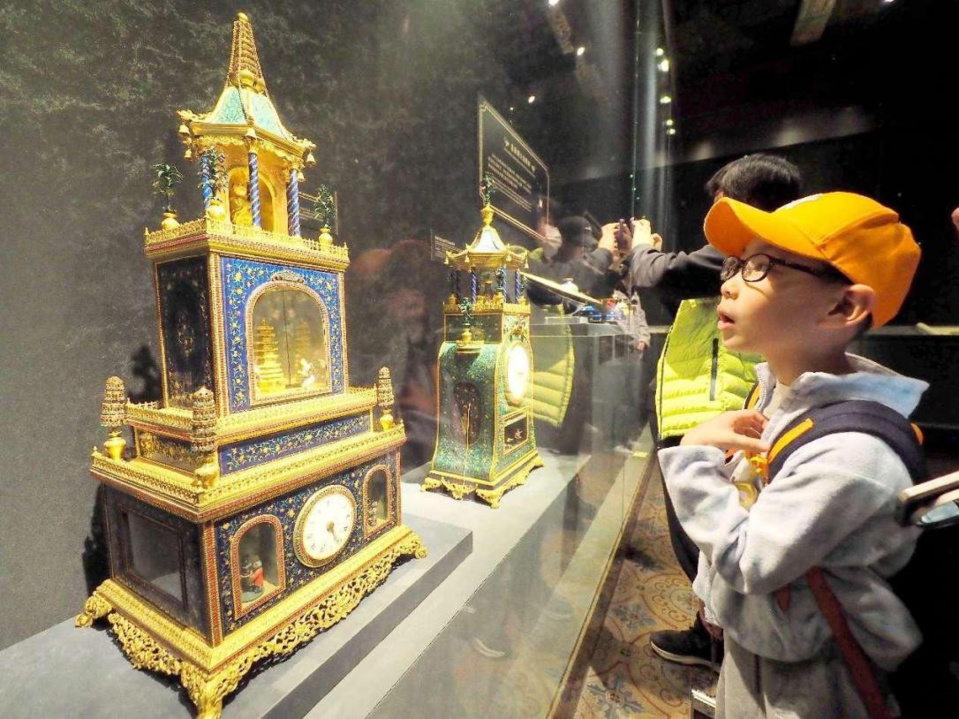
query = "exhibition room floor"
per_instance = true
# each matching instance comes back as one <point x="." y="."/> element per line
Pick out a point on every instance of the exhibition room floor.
<point x="623" y="677"/>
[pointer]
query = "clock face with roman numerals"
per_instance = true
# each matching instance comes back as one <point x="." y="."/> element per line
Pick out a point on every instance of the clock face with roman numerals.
<point x="324" y="526"/>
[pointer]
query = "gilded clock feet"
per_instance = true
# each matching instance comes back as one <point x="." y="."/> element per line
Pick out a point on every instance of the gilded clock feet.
<point x="94" y="608"/>
<point x="430" y="483"/>
<point x="457" y="490"/>
<point x="208" y="690"/>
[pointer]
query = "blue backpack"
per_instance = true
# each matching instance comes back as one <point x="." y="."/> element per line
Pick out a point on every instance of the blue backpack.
<point x="926" y="683"/>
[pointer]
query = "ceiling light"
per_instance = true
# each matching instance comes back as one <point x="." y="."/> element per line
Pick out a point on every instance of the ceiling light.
<point x="553" y="3"/>
<point x="660" y="52"/>
<point x="663" y="65"/>
<point x="510" y="108"/>
<point x="671" y="131"/>
<point x="580" y="50"/>
<point x="531" y="99"/>
<point x="665" y="100"/>
<point x="669" y="122"/>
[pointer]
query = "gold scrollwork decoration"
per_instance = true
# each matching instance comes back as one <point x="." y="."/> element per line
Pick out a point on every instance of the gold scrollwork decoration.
<point x="94" y="608"/>
<point x="143" y="651"/>
<point x="207" y="689"/>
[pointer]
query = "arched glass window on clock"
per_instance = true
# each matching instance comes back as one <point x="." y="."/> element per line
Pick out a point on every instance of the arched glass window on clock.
<point x="376" y="499"/>
<point x="288" y="336"/>
<point x="257" y="569"/>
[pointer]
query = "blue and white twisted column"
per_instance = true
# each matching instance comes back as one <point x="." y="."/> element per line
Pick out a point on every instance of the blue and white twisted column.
<point x="254" y="188"/>
<point x="206" y="179"/>
<point x="293" y="202"/>
<point x="517" y="286"/>
<point x="473" y="287"/>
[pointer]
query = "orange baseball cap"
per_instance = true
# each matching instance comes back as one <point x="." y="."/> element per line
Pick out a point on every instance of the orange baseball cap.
<point x="859" y="237"/>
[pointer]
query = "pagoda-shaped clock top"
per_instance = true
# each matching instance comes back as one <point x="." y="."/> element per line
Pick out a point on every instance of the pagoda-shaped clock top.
<point x="492" y="271"/>
<point x="262" y="160"/>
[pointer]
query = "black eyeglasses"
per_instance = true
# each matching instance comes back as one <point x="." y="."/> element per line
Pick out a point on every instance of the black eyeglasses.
<point x="755" y="268"/>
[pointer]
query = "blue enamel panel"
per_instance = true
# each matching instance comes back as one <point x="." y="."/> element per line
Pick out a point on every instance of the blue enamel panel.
<point x="247" y="454"/>
<point x="241" y="278"/>
<point x="287" y="509"/>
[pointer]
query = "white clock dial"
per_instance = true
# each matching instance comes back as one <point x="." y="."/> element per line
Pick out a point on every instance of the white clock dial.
<point x="324" y="525"/>
<point x="517" y="373"/>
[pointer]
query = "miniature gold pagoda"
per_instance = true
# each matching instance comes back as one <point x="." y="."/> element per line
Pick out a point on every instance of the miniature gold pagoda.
<point x="260" y="502"/>
<point x="485" y="439"/>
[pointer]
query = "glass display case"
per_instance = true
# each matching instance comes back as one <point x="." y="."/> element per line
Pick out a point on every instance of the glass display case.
<point x="379" y="434"/>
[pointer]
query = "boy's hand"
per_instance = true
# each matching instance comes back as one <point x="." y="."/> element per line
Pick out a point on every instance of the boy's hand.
<point x="739" y="430"/>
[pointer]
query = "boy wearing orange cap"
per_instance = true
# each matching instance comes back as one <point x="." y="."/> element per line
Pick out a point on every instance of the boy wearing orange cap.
<point x="799" y="284"/>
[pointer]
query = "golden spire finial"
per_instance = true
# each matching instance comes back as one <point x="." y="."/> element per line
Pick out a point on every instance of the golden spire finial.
<point x="487" y="214"/>
<point x="244" y="62"/>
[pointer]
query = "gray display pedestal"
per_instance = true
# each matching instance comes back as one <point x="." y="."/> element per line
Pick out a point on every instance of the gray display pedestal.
<point x="70" y="672"/>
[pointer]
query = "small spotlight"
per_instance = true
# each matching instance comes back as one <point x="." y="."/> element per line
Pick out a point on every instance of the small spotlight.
<point x="531" y="99"/>
<point x="888" y="2"/>
<point x="510" y="108"/>
<point x="671" y="131"/>
<point x="580" y="51"/>
<point x="669" y="122"/>
<point x="553" y="3"/>
<point x="665" y="100"/>
<point x="663" y="65"/>
<point x="660" y="52"/>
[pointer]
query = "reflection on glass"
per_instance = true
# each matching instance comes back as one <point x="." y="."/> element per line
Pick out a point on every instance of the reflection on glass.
<point x="259" y="576"/>
<point x="154" y="554"/>
<point x="290" y="343"/>
<point x="376" y="498"/>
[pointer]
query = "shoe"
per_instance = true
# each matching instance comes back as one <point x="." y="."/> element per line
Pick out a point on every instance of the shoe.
<point x="691" y="646"/>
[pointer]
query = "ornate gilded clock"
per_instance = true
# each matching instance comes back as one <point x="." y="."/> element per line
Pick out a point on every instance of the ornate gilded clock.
<point x="261" y="501"/>
<point x="485" y="442"/>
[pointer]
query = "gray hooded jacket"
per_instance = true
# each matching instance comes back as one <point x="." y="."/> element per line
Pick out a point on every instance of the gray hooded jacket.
<point x="831" y="505"/>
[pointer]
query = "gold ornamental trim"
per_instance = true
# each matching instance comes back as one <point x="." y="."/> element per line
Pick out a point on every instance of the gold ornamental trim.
<point x="460" y="486"/>
<point x="178" y="422"/>
<point x="151" y="640"/>
<point x="178" y="493"/>
<point x="213" y="236"/>
<point x="488" y="307"/>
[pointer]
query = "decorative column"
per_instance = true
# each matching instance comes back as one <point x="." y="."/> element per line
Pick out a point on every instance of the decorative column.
<point x="206" y="179"/>
<point x="253" y="191"/>
<point x="293" y="202"/>
<point x="517" y="286"/>
<point x="472" y="286"/>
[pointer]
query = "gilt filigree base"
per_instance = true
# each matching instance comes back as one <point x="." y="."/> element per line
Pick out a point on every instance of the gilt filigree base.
<point x="461" y="487"/>
<point x="153" y="641"/>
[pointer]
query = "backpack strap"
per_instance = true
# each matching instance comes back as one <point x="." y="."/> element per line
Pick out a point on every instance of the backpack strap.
<point x="752" y="399"/>
<point x="855" y="415"/>
<point x="904" y="439"/>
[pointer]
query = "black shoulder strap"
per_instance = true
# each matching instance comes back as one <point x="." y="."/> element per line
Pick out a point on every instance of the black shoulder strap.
<point x="862" y="416"/>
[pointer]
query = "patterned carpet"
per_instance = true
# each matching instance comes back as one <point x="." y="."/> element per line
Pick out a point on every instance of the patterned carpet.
<point x="624" y="678"/>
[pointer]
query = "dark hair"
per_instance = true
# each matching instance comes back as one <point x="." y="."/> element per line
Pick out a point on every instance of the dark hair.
<point x="760" y="180"/>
